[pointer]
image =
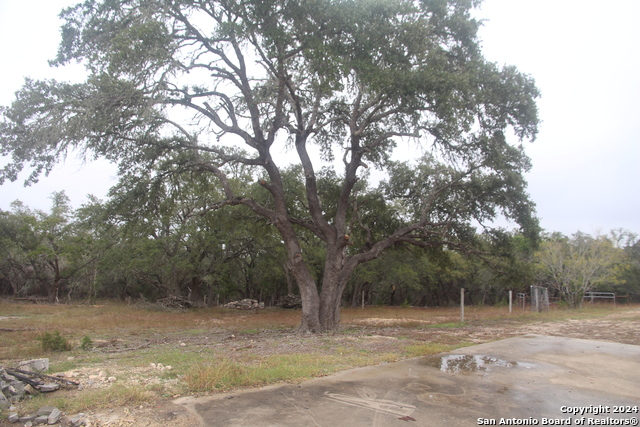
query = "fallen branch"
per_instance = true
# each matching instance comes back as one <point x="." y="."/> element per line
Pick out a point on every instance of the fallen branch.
<point x="43" y="376"/>
<point x="24" y="378"/>
<point x="121" y="350"/>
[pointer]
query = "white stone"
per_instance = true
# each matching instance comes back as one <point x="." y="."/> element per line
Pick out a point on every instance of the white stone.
<point x="35" y="365"/>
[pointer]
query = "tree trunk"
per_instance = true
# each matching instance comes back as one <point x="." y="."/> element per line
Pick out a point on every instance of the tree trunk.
<point x="310" y="321"/>
<point x="357" y="294"/>
<point x="287" y="275"/>
<point x="334" y="282"/>
<point x="52" y="293"/>
<point x="330" y="300"/>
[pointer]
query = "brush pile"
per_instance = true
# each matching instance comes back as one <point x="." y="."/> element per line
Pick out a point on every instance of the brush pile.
<point x="245" y="304"/>
<point x="289" y="301"/>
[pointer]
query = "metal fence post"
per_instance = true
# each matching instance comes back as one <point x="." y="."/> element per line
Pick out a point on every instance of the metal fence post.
<point x="510" y="301"/>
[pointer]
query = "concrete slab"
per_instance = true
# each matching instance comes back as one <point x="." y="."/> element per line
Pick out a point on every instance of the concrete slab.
<point x="529" y="380"/>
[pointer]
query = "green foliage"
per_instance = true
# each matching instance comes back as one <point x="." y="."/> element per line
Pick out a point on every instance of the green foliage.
<point x="353" y="80"/>
<point x="580" y="264"/>
<point x="44" y="252"/>
<point x="86" y="343"/>
<point x="54" y="342"/>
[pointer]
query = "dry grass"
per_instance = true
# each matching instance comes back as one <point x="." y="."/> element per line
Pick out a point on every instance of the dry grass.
<point x="421" y="317"/>
<point x="113" y="320"/>
<point x="215" y="349"/>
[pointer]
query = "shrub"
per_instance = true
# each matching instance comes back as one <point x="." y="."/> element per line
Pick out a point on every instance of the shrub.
<point x="86" y="343"/>
<point x="54" y="342"/>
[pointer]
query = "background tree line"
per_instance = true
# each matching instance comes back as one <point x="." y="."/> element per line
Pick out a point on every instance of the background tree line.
<point x="151" y="240"/>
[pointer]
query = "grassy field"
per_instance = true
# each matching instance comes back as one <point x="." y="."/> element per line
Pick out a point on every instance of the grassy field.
<point x="135" y="354"/>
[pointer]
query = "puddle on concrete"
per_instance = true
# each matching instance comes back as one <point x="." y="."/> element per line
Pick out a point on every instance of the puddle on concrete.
<point x="462" y="363"/>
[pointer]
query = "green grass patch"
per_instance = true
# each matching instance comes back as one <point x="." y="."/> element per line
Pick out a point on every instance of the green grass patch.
<point x="446" y="325"/>
<point x="225" y="374"/>
<point x="88" y="399"/>
<point x="429" y="349"/>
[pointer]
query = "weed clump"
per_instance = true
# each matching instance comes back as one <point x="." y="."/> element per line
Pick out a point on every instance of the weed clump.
<point x="86" y="343"/>
<point x="54" y="342"/>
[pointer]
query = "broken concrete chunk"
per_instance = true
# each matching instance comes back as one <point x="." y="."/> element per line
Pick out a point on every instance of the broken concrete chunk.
<point x="17" y="388"/>
<point x="76" y="420"/>
<point x="13" y="417"/>
<point x="54" y="416"/>
<point x="6" y="377"/>
<point x="42" y="419"/>
<point x="4" y="402"/>
<point x="35" y="365"/>
<point x="45" y="410"/>
<point x="46" y="388"/>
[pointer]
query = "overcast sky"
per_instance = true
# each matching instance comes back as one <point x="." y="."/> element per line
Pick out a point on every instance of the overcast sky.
<point x="583" y="55"/>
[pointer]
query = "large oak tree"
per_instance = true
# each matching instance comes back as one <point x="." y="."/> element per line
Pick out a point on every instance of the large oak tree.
<point x="180" y="85"/>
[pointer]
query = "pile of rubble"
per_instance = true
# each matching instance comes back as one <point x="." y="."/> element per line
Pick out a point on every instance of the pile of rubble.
<point x="289" y="301"/>
<point x="245" y="304"/>
<point x="46" y="415"/>
<point x="27" y="379"/>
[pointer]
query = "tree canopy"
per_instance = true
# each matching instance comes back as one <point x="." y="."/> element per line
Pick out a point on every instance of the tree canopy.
<point x="334" y="86"/>
<point x="577" y="265"/>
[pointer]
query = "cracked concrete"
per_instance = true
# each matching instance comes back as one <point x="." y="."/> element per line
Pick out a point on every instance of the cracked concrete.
<point x="533" y="379"/>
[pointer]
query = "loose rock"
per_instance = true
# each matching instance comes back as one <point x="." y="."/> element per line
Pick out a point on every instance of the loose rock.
<point x="42" y="419"/>
<point x="45" y="410"/>
<point x="76" y="420"/>
<point x="54" y="416"/>
<point x="13" y="417"/>
<point x="47" y="388"/>
<point x="4" y="402"/>
<point x="35" y="365"/>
